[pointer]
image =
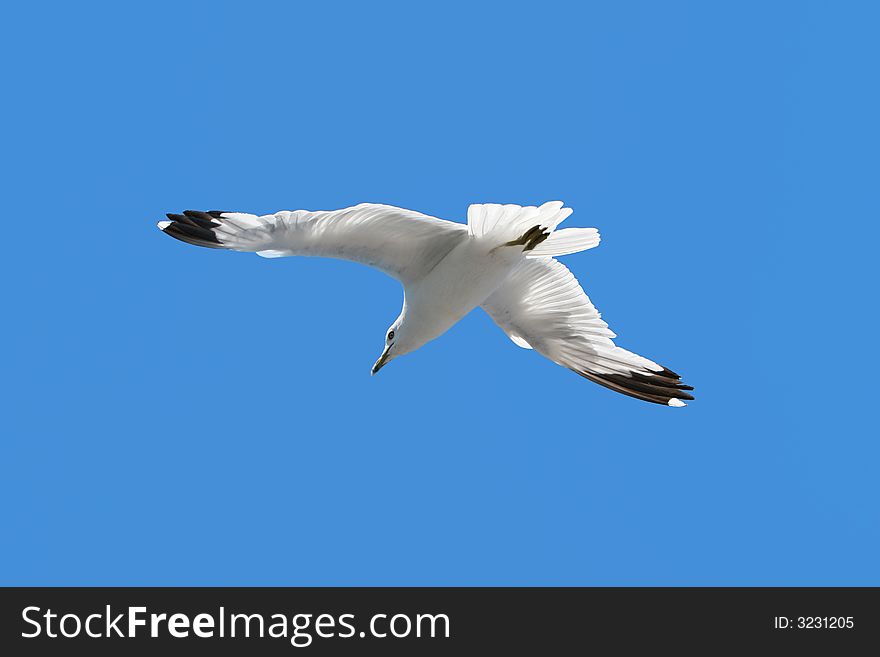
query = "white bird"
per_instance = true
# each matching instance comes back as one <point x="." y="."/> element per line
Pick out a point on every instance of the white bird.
<point x="502" y="260"/>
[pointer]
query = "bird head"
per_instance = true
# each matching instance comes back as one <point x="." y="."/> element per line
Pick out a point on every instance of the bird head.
<point x="401" y="338"/>
<point x="393" y="345"/>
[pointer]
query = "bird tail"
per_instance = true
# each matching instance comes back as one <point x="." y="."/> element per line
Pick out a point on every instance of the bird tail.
<point x="531" y="226"/>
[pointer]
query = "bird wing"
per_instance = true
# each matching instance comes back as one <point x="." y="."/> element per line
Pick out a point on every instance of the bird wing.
<point x="402" y="243"/>
<point x="541" y="306"/>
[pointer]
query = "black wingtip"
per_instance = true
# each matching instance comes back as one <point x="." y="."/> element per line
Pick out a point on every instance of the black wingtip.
<point x="668" y="372"/>
<point x="656" y="387"/>
<point x="193" y="227"/>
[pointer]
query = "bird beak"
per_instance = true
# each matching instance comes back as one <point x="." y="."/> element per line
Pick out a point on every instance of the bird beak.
<point x="381" y="362"/>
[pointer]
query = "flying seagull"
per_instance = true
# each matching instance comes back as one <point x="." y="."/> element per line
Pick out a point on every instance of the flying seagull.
<point x="502" y="260"/>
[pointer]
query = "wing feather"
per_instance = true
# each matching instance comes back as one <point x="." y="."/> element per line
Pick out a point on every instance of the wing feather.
<point x="542" y="306"/>
<point x="403" y="243"/>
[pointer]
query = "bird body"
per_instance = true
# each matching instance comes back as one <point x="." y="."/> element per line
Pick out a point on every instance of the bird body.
<point x="460" y="282"/>
<point x="504" y="260"/>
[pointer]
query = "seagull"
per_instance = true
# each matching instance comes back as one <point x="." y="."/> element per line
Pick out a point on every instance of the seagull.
<point x="503" y="260"/>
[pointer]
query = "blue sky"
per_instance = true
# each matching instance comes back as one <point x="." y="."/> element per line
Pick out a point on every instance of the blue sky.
<point x="175" y="415"/>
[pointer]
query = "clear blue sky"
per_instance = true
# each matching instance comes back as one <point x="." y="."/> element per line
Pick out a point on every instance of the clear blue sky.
<point x="175" y="415"/>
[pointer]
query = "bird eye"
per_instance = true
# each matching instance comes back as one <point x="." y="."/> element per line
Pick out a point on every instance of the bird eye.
<point x="390" y="335"/>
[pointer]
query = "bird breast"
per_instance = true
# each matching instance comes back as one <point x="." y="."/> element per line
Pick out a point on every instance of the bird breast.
<point x="460" y="282"/>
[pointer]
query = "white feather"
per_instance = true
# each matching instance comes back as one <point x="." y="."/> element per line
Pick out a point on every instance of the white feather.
<point x="507" y="222"/>
<point x="402" y="243"/>
<point x="566" y="241"/>
<point x="542" y="304"/>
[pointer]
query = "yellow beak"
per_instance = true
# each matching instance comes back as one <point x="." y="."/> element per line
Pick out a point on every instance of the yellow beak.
<point x="381" y="362"/>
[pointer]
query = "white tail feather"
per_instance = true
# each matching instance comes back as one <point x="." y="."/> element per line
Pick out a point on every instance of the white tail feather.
<point x="508" y="222"/>
<point x="565" y="241"/>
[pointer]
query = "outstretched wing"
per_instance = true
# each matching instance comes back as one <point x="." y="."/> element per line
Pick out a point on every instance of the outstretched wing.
<point x="541" y="306"/>
<point x="402" y="243"/>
